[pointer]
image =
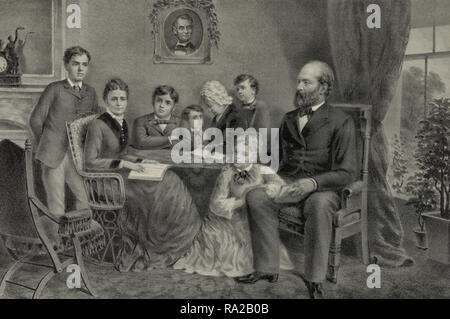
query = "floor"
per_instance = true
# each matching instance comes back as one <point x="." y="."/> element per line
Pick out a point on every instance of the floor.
<point x="425" y="279"/>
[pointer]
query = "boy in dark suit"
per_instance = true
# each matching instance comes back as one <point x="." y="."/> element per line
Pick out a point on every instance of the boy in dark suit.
<point x="153" y="131"/>
<point x="62" y="102"/>
<point x="192" y="118"/>
<point x="255" y="112"/>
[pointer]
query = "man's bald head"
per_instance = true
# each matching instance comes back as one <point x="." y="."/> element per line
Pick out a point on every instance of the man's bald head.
<point x="323" y="72"/>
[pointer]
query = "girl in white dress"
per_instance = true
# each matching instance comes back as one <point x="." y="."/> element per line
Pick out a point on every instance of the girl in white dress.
<point x="223" y="245"/>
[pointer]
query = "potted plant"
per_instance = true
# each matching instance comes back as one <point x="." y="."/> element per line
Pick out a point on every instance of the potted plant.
<point x="399" y="164"/>
<point x="433" y="159"/>
<point x="423" y="199"/>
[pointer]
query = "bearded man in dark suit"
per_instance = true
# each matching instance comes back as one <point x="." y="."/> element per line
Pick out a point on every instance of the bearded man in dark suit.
<point x="317" y="159"/>
<point x="62" y="102"/>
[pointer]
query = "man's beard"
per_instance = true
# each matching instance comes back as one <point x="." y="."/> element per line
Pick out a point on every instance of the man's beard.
<point x="304" y="100"/>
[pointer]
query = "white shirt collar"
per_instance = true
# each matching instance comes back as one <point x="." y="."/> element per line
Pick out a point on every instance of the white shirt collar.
<point x="183" y="44"/>
<point x="251" y="102"/>
<point x="167" y="119"/>
<point x="316" y="107"/>
<point x="72" y="84"/>
<point x="119" y="119"/>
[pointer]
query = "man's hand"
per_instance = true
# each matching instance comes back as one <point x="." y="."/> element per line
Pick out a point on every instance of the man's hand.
<point x="273" y="190"/>
<point x="173" y="139"/>
<point x="295" y="192"/>
<point x="303" y="187"/>
<point x="239" y="203"/>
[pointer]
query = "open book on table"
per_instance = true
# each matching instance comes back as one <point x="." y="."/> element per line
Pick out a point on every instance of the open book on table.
<point x="153" y="172"/>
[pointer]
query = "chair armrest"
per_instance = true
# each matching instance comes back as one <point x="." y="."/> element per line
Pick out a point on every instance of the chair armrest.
<point x="36" y="202"/>
<point x="106" y="174"/>
<point x="105" y="190"/>
<point x="352" y="189"/>
<point x="351" y="196"/>
<point x="75" y="221"/>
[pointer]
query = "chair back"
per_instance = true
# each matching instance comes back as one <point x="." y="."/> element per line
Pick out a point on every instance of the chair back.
<point x="76" y="131"/>
<point x="362" y="117"/>
<point x="15" y="215"/>
<point x="22" y="222"/>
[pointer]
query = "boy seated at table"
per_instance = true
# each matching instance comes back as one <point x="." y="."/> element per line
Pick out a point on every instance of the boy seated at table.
<point x="192" y="119"/>
<point x="153" y="131"/>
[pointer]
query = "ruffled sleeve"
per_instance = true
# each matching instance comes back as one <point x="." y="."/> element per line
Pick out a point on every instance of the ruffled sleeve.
<point x="270" y="176"/>
<point x="273" y="182"/>
<point x="222" y="203"/>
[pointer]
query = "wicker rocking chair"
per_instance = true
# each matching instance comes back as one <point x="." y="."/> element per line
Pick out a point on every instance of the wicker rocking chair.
<point x="28" y="242"/>
<point x="105" y="191"/>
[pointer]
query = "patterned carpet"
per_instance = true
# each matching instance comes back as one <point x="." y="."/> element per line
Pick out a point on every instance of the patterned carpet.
<point x="426" y="279"/>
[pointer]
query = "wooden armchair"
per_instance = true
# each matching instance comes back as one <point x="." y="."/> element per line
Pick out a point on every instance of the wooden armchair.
<point x="105" y="190"/>
<point x="27" y="239"/>
<point x="351" y="218"/>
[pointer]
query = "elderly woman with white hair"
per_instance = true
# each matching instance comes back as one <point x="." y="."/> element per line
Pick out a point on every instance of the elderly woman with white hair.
<point x="216" y="97"/>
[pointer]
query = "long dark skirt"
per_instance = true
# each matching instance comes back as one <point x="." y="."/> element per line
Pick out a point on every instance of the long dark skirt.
<point x="159" y="223"/>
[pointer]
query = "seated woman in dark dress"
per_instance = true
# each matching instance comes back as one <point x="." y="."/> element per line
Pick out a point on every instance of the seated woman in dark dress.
<point x="160" y="219"/>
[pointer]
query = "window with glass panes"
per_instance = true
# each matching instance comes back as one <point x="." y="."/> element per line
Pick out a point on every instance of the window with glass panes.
<point x="426" y="70"/>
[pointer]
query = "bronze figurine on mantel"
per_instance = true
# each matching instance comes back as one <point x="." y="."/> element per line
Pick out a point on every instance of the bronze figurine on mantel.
<point x="10" y="73"/>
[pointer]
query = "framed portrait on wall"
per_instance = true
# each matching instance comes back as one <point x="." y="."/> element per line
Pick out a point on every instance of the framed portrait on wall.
<point x="184" y="31"/>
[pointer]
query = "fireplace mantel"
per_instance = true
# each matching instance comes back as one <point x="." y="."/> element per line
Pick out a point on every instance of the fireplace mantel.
<point x="16" y="104"/>
<point x="22" y="89"/>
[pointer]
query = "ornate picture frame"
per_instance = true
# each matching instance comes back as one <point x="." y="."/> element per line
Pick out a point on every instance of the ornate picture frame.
<point x="184" y="31"/>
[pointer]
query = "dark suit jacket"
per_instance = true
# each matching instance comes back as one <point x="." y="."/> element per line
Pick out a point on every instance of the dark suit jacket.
<point x="189" y="48"/>
<point x="325" y="151"/>
<point x="104" y="147"/>
<point x="147" y="135"/>
<point x="229" y="119"/>
<point x="57" y="105"/>
<point x="258" y="116"/>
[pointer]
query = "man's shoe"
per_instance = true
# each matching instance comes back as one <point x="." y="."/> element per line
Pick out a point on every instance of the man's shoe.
<point x="257" y="276"/>
<point x="240" y="278"/>
<point x="315" y="289"/>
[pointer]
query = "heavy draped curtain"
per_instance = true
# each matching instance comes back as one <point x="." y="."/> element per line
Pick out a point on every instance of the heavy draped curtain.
<point x="368" y="65"/>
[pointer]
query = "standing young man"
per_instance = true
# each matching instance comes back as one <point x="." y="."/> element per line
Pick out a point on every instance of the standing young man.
<point x="62" y="102"/>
